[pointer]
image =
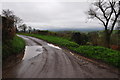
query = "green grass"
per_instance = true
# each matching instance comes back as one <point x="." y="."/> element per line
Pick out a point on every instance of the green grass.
<point x="14" y="46"/>
<point x="55" y="40"/>
<point x="100" y="53"/>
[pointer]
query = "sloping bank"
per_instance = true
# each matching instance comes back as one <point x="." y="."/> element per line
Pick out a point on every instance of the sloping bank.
<point x="12" y="47"/>
<point x="95" y="52"/>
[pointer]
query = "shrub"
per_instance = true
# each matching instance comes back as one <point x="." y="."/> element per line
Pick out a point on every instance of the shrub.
<point x="79" y="38"/>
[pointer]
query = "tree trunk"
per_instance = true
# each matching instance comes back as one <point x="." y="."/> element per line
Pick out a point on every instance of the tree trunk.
<point x="107" y="39"/>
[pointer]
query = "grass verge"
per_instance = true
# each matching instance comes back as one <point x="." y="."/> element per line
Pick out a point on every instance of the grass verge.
<point x="14" y="46"/>
<point x="55" y="40"/>
<point x="96" y="52"/>
<point x="99" y="53"/>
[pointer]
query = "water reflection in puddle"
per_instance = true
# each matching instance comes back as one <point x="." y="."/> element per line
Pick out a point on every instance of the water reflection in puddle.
<point x="53" y="46"/>
<point x="32" y="51"/>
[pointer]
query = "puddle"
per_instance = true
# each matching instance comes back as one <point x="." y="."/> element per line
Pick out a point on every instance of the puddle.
<point x="71" y="53"/>
<point x="53" y="46"/>
<point x="32" y="51"/>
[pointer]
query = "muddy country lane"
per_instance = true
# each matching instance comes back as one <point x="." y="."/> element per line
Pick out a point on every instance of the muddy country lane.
<point x="44" y="60"/>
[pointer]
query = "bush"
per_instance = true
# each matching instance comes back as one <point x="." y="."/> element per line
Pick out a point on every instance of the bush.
<point x="79" y="38"/>
<point x="8" y="29"/>
<point x="93" y="38"/>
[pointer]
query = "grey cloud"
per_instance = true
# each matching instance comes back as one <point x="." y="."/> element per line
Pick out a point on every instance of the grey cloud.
<point x="55" y="14"/>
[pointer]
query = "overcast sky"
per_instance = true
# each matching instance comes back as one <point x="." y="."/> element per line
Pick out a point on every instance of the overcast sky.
<point x="52" y="14"/>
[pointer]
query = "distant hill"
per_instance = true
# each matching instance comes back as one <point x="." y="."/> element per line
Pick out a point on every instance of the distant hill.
<point x="80" y="29"/>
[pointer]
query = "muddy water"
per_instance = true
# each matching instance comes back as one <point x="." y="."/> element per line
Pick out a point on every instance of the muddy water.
<point x="32" y="51"/>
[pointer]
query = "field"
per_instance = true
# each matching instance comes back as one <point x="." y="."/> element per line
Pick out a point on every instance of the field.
<point x="96" y="52"/>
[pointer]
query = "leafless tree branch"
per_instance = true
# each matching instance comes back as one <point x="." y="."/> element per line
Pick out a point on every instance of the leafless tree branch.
<point x="110" y="13"/>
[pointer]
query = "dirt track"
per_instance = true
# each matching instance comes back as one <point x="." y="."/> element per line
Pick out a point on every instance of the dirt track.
<point x="54" y="62"/>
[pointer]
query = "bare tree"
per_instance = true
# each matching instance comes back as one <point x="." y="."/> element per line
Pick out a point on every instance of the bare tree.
<point x="107" y="12"/>
<point x="7" y="13"/>
<point x="23" y="27"/>
<point x="29" y="29"/>
<point x="18" y="21"/>
<point x="10" y="15"/>
<point x="8" y="24"/>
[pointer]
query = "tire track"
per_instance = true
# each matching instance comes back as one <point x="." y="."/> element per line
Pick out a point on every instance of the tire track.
<point x="55" y="63"/>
